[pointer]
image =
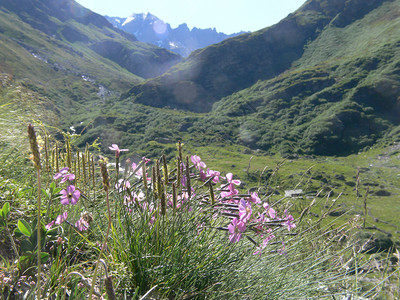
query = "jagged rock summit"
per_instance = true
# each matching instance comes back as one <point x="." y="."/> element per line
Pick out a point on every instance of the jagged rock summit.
<point x="182" y="40"/>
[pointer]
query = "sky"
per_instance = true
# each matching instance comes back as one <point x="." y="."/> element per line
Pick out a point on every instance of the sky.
<point x="227" y="16"/>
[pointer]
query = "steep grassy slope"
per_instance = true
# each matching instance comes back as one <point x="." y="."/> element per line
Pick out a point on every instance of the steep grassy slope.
<point x="70" y="23"/>
<point x="342" y="95"/>
<point x="72" y="57"/>
<point x="325" y="80"/>
<point x="221" y="69"/>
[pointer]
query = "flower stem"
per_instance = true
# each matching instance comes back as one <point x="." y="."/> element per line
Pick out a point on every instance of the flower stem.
<point x="102" y="247"/>
<point x="39" y="228"/>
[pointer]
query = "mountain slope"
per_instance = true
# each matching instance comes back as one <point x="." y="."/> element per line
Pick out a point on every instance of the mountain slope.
<point x="219" y="70"/>
<point x="342" y="95"/>
<point x="150" y="29"/>
<point x="56" y="29"/>
<point x="325" y="80"/>
<point x="74" y="58"/>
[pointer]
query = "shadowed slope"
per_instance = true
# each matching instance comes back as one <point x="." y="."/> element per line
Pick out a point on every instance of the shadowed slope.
<point x="219" y="70"/>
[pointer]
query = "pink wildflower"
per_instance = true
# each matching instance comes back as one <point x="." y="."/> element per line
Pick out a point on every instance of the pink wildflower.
<point x="122" y="185"/>
<point x="270" y="211"/>
<point x="48" y="226"/>
<point x="231" y="186"/>
<point x="69" y="176"/>
<point x="196" y="160"/>
<point x="65" y="175"/>
<point x="254" y="198"/>
<point x="265" y="242"/>
<point x="70" y="195"/>
<point x="114" y="147"/>
<point x="282" y="251"/>
<point x="82" y="225"/>
<point x="61" y="218"/>
<point x="229" y="178"/>
<point x="235" y="229"/>
<point x="289" y="221"/>
<point x="211" y="173"/>
<point x="203" y="175"/>
<point x="139" y="172"/>
<point x="244" y="211"/>
<point x="60" y="174"/>
<point x="231" y="191"/>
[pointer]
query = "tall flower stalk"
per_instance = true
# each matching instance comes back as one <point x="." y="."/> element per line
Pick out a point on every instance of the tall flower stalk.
<point x="36" y="162"/>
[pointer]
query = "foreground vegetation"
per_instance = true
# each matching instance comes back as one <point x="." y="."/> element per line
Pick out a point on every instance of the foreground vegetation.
<point x="174" y="229"/>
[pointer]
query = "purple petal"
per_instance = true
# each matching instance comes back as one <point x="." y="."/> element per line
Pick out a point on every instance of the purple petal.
<point x="48" y="226"/>
<point x="241" y="226"/>
<point x="231" y="228"/>
<point x="232" y="238"/>
<point x="114" y="147"/>
<point x="70" y="189"/>
<point x="229" y="177"/>
<point x="64" y="201"/>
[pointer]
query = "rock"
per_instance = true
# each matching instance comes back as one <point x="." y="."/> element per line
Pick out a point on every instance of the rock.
<point x="340" y="177"/>
<point x="382" y="193"/>
<point x="374" y="242"/>
<point x="246" y="151"/>
<point x="337" y="213"/>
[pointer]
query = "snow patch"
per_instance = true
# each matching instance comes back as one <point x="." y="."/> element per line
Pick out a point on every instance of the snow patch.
<point x="129" y="19"/>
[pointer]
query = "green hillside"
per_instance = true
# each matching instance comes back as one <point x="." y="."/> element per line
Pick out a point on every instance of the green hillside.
<point x="72" y="56"/>
<point x="325" y="80"/>
<point x="339" y="97"/>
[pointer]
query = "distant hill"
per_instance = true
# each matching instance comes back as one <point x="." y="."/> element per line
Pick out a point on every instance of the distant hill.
<point x="73" y="57"/>
<point x="69" y="23"/>
<point x="150" y="29"/>
<point x="324" y="80"/>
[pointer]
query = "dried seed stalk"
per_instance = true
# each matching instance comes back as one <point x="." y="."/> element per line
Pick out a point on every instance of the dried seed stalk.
<point x="104" y="173"/>
<point x="34" y="147"/>
<point x="154" y="180"/>
<point x="36" y="161"/>
<point x="174" y="197"/>
<point x="188" y="186"/>
<point x="178" y="174"/>
<point x="165" y="167"/>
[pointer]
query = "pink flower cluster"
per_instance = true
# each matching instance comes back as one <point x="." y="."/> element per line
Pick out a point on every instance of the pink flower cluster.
<point x="247" y="214"/>
<point x="69" y="195"/>
<point x="241" y="210"/>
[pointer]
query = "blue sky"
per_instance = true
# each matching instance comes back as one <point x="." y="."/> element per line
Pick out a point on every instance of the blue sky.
<point x="226" y="16"/>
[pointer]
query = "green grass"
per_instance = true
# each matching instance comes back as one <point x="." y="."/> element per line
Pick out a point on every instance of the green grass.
<point x="185" y="253"/>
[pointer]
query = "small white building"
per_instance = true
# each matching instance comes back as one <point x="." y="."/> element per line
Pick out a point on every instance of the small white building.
<point x="294" y="193"/>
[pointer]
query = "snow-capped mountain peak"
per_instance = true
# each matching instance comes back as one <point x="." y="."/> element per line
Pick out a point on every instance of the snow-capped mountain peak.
<point x="150" y="29"/>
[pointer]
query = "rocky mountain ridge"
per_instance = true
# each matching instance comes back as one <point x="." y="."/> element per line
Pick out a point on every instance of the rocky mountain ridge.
<point x="182" y="40"/>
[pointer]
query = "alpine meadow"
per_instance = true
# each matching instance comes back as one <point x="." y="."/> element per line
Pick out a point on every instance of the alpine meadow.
<point x="263" y="166"/>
